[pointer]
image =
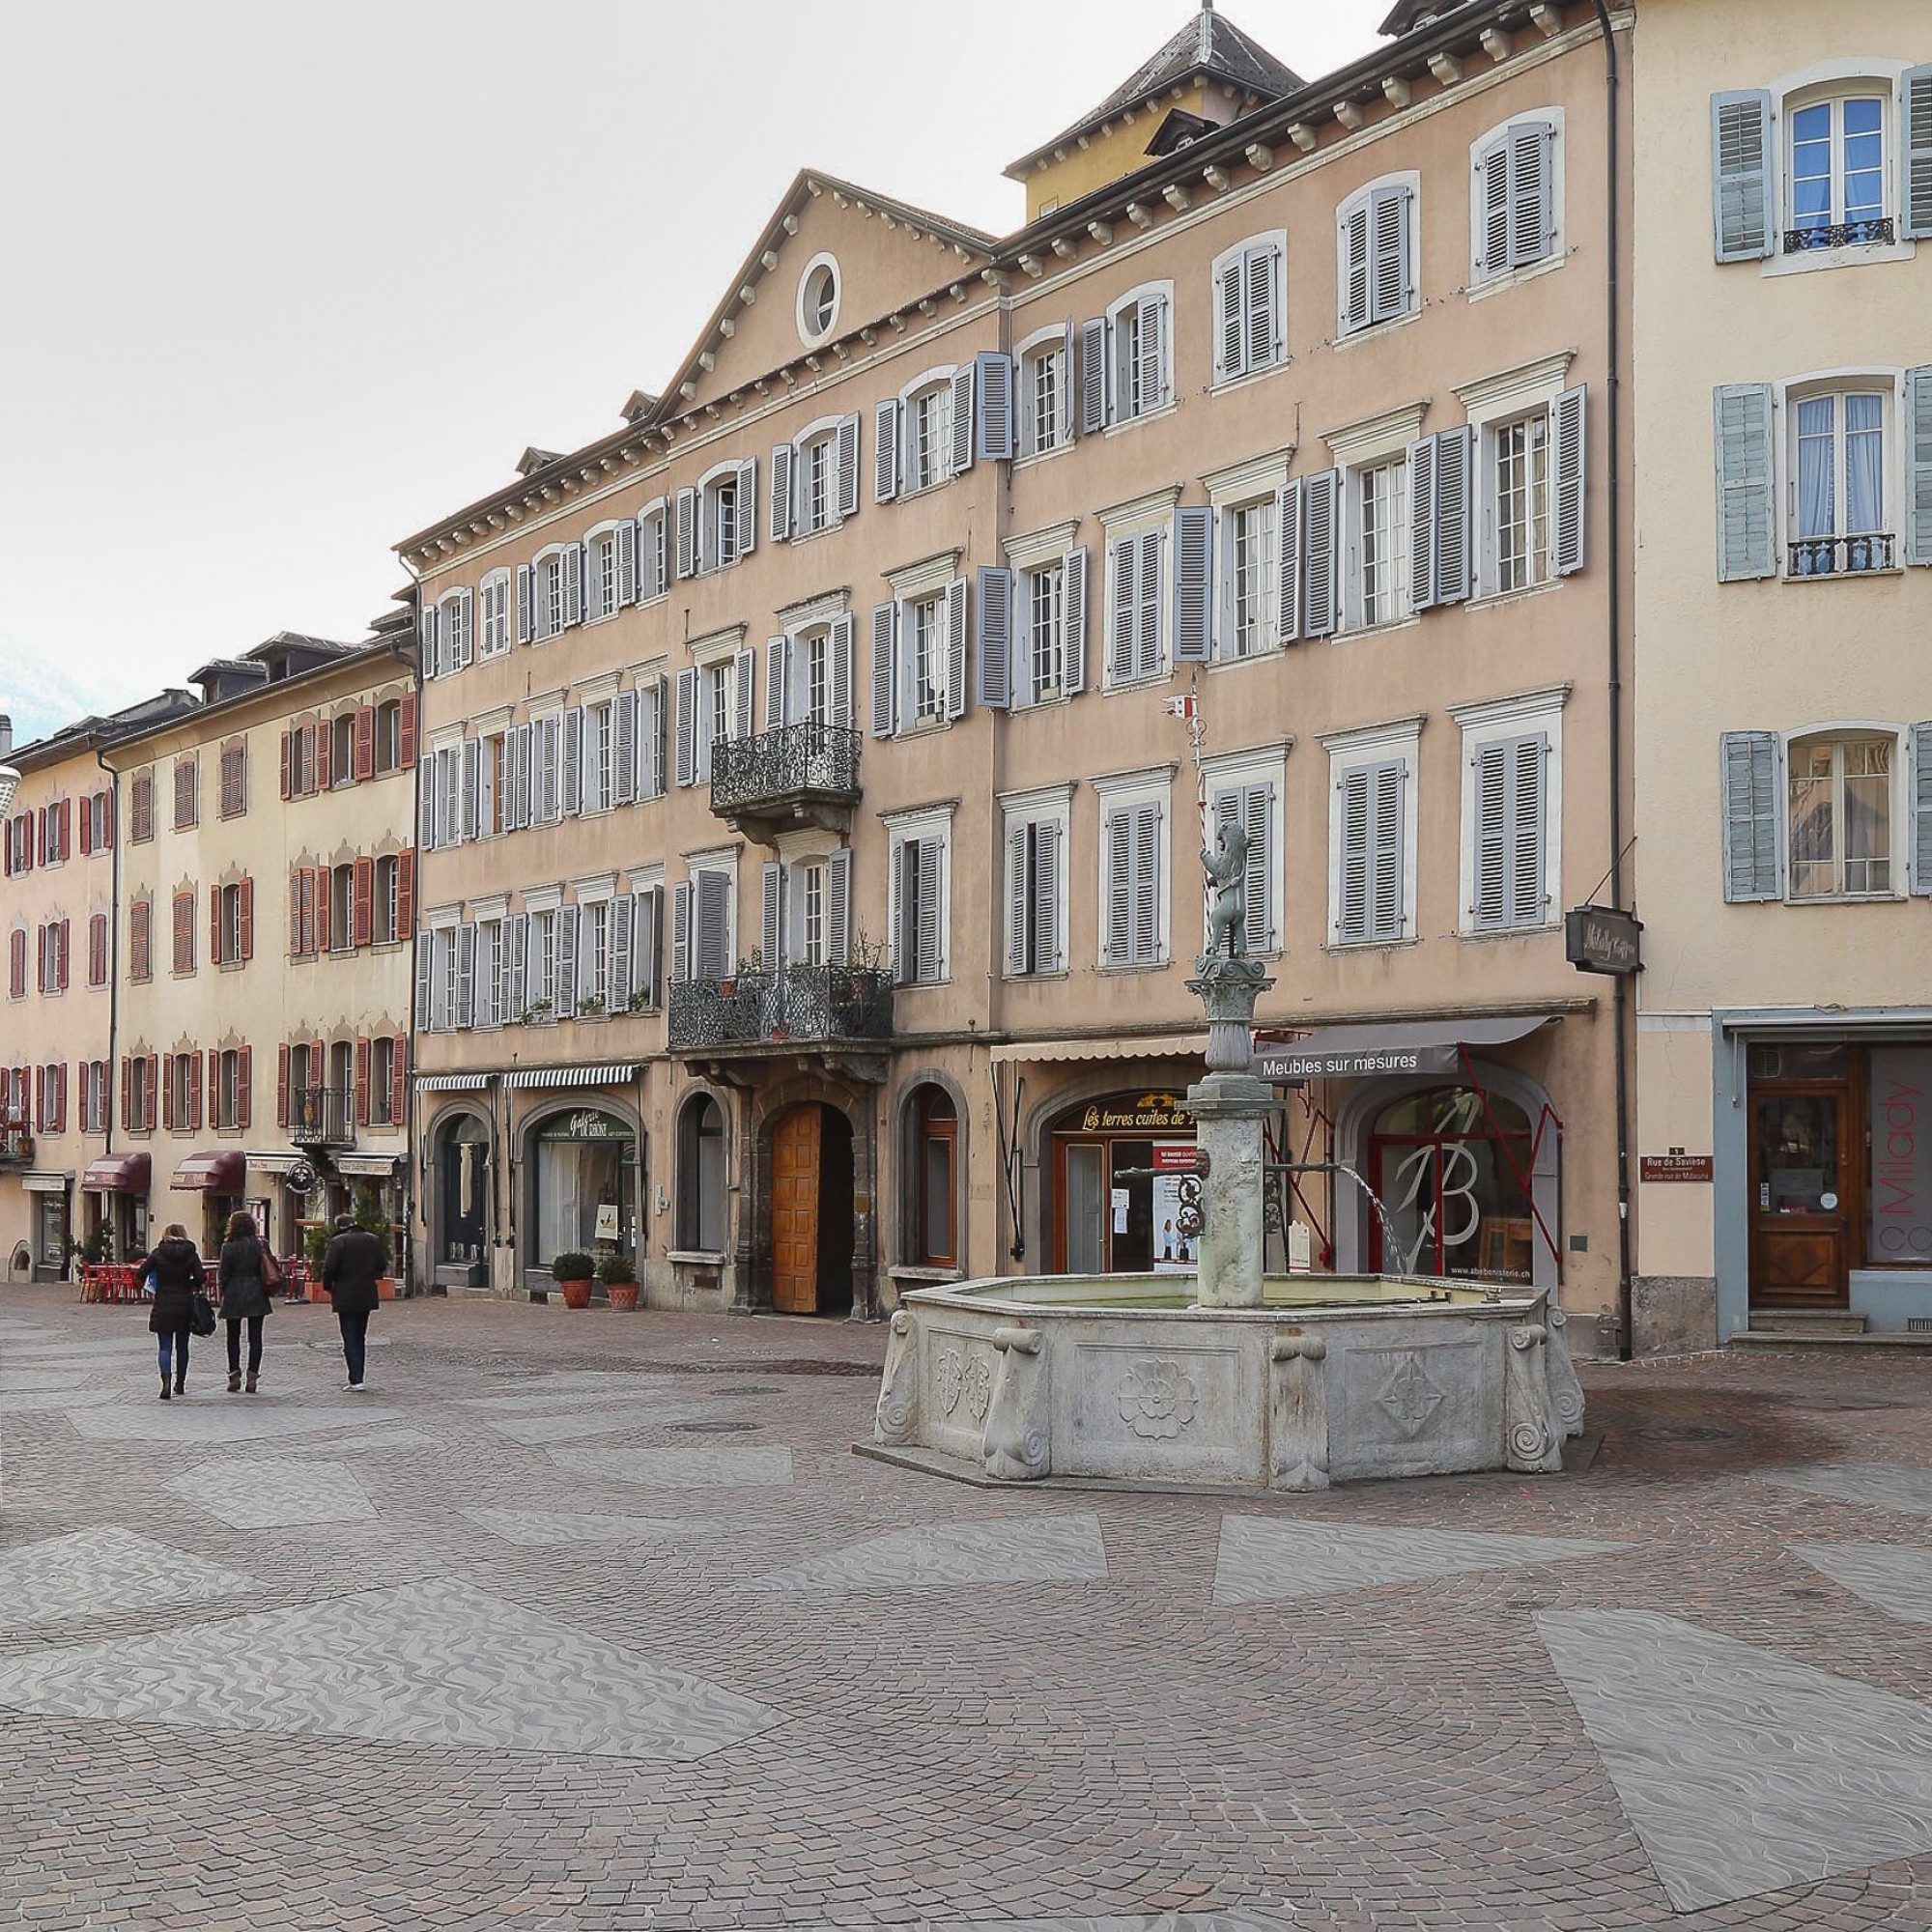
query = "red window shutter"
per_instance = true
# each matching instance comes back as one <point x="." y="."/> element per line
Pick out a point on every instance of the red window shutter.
<point x="325" y="755"/>
<point x="296" y="879"/>
<point x="168" y="1099"/>
<point x="405" y="732"/>
<point x="365" y="901"/>
<point x="66" y="932"/>
<point x="153" y="1084"/>
<point x="86" y="831"/>
<point x="362" y="1082"/>
<point x="244" y="1089"/>
<point x="214" y="1119"/>
<point x="405" y="893"/>
<point x="282" y="1085"/>
<point x="127" y="1091"/>
<point x="288" y="764"/>
<point x="214" y="925"/>
<point x="40" y="1099"/>
<point x="247" y="919"/>
<point x="399" y="1079"/>
<point x="365" y="740"/>
<point x="67" y="828"/>
<point x="106" y="821"/>
<point x="17" y="965"/>
<point x="60" y="1125"/>
<point x="193" y="1093"/>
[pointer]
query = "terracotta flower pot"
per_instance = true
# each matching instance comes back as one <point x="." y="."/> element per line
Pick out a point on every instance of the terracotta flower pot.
<point x="575" y="1294"/>
<point x="624" y="1295"/>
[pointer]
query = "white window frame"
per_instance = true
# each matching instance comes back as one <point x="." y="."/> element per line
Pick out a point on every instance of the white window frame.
<point x="906" y="828"/>
<point x="1495" y="721"/>
<point x="710" y="532"/>
<point x="1898" y="822"/>
<point x="1257" y="765"/>
<point x="495" y="632"/>
<point x="811" y="337"/>
<point x="491" y="992"/>
<point x="1268" y="617"/>
<point x="814" y="436"/>
<point x="596" y="917"/>
<point x="1118" y="311"/>
<point x="1276" y="239"/>
<point x="1803" y="87"/>
<point x="1055" y="345"/>
<point x="455" y="650"/>
<point x="1886" y="383"/>
<point x="1555" y="251"/>
<point x="548" y="593"/>
<point x="599" y="544"/>
<point x="540" y="960"/>
<point x="1363" y="196"/>
<point x="1119" y="792"/>
<point x="934" y="383"/>
<point x="1397" y="741"/>
<point x="655" y="536"/>
<point x="1047" y="805"/>
<point x="1496" y="404"/>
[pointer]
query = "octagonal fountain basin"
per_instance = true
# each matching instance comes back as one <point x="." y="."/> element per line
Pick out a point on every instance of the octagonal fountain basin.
<point x="1123" y="1377"/>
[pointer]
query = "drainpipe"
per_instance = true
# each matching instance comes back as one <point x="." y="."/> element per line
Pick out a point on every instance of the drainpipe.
<point x="415" y="1168"/>
<point x="108" y="1084"/>
<point x="1614" y="438"/>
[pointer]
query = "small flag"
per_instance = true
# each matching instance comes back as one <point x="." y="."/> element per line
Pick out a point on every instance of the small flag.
<point x="1180" y="708"/>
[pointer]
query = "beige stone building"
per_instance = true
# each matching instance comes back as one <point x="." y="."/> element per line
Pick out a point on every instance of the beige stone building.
<point x="810" y="881"/>
<point x="57" y="869"/>
<point x="1783" y="191"/>
<point x="265" y="885"/>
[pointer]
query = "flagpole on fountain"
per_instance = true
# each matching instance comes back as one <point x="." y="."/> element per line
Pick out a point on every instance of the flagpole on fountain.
<point x="1188" y="708"/>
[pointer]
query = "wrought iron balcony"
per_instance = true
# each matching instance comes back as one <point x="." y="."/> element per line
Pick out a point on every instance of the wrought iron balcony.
<point x="811" y="1005"/>
<point x="322" y="1117"/>
<point x="796" y="773"/>
<point x="1838" y="235"/>
<point x="16" y="1144"/>
<point x="1840" y="556"/>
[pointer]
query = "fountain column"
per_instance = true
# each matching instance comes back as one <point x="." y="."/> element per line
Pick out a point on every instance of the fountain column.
<point x="1229" y="1105"/>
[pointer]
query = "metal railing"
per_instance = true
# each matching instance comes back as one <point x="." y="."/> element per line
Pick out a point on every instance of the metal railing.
<point x="16" y="1141"/>
<point x="1840" y="556"/>
<point x="322" y="1116"/>
<point x="806" y="758"/>
<point x="1838" y="235"/>
<point x="798" y="1003"/>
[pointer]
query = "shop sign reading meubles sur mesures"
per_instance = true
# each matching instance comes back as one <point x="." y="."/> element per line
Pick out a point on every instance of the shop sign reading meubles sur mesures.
<point x="1283" y="1065"/>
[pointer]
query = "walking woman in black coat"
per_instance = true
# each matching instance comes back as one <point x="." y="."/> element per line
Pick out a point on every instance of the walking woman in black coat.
<point x="175" y="1268"/>
<point x="244" y="1297"/>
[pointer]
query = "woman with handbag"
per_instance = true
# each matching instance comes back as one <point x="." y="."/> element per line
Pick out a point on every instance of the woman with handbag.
<point x="242" y="1274"/>
<point x="177" y="1274"/>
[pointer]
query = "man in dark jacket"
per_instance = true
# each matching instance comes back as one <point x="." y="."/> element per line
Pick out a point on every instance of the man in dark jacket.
<point x="352" y="1267"/>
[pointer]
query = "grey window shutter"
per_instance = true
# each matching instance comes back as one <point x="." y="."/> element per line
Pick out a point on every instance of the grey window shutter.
<point x="571" y="566"/>
<point x="931" y="877"/>
<point x="885" y="639"/>
<point x="1568" y="420"/>
<point x="1230" y="326"/>
<point x="782" y="518"/>
<point x="1741" y="162"/>
<point x="1922" y="810"/>
<point x="905" y="913"/>
<point x="1020" y="897"/>
<point x="995" y="639"/>
<point x="1120" y="928"/>
<point x="886" y="451"/>
<point x="744" y="682"/>
<point x="1528" y="766"/>
<point x="746" y="534"/>
<point x="573" y="761"/>
<point x="426" y="804"/>
<point x="1122" y="617"/>
<point x="466" y="630"/>
<point x="1288" y="520"/>
<point x="680" y="931"/>
<point x="1531" y="154"/>
<point x="687" y="725"/>
<point x="1385" y="908"/>
<point x="1262" y="272"/>
<point x="963" y="388"/>
<point x="1073" y="621"/>
<point x="1147" y="627"/>
<point x="1357" y="282"/>
<point x="1491" y="868"/>
<point x="1493" y="175"/>
<point x="956" y="648"/>
<point x="1391" y="293"/>
<point x="626" y="540"/>
<point x="1193" y="579"/>
<point x="1352" y="894"/>
<point x="777" y="680"/>
<point x="771" y="904"/>
<point x="1153" y="352"/>
<point x="1258" y="821"/>
<point x="553" y="744"/>
<point x="1749" y="774"/>
<point x="1147" y="882"/>
<point x="838" y="905"/>
<point x="1918" y="458"/>
<point x="1046" y="896"/>
<point x="1914" y="153"/>
<point x="995" y="387"/>
<point x="1453" y="494"/>
<point x="428" y="627"/>
<point x="426" y="1013"/>
<point x="527" y="604"/>
<point x="1320" y="531"/>
<point x="839" y="647"/>
<point x="650" y="556"/>
<point x="1093" y="377"/>
<point x="526" y="740"/>
<point x="1421" y="523"/>
<point x="1746" y="507"/>
<point x="624" y="748"/>
<point x="618" y="995"/>
<point x="516" y="952"/>
<point x="660" y="712"/>
<point x="848" y="464"/>
<point x="714" y="926"/>
<point x="687" y="532"/>
<point x="566" y="961"/>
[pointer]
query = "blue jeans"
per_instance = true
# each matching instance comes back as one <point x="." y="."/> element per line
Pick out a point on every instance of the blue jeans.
<point x="354" y="1338"/>
<point x="177" y="1346"/>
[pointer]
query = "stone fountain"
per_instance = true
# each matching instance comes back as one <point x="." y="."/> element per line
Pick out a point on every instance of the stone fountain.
<point x="1257" y="1380"/>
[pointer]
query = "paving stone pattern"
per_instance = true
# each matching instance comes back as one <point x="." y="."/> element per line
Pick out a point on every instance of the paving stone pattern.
<point x="274" y="1496"/>
<point x="632" y="1681"/>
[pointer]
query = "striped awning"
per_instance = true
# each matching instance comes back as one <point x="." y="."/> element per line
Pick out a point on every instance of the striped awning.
<point x="1154" y="1046"/>
<point x="572" y="1076"/>
<point x="117" y="1174"/>
<point x="451" y="1083"/>
<point x="366" y="1166"/>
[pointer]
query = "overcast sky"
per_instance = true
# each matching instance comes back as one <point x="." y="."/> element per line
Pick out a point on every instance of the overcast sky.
<point x="287" y="284"/>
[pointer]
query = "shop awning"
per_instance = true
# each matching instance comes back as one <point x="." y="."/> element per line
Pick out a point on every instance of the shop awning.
<point x="571" y="1076"/>
<point x="274" y="1163"/>
<point x="224" y="1171"/>
<point x="367" y="1166"/>
<point x="1153" y="1046"/>
<point x="48" y="1181"/>
<point x="451" y="1083"/>
<point x="119" y="1174"/>
<point x="1398" y="1047"/>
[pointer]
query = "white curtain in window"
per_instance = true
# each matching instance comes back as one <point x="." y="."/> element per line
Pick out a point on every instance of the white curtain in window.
<point x="1816" y="439"/>
<point x="1864" y="463"/>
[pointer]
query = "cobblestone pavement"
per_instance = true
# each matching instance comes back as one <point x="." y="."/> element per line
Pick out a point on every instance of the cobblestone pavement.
<point x="586" y="1621"/>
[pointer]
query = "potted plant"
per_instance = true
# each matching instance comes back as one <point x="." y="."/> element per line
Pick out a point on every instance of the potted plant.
<point x="619" y="1276"/>
<point x="590" y="1007"/>
<point x="372" y="1215"/>
<point x="573" y="1271"/>
<point x="315" y="1244"/>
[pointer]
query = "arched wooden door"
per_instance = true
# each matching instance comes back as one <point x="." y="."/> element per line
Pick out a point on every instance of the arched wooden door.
<point x="796" y="1149"/>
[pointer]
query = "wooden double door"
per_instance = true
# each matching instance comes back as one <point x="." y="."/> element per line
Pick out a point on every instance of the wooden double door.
<point x="1807" y="1192"/>
<point x="811" y="1212"/>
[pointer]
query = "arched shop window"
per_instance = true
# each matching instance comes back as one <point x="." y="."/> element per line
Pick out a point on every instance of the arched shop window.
<point x="701" y="1176"/>
<point x="1114" y="1169"/>
<point x="582" y="1165"/>
<point x="1452" y="1167"/>
<point x="462" y="1191"/>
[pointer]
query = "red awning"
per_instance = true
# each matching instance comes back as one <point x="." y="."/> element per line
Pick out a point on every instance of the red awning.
<point x="223" y="1172"/>
<point x="117" y="1174"/>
